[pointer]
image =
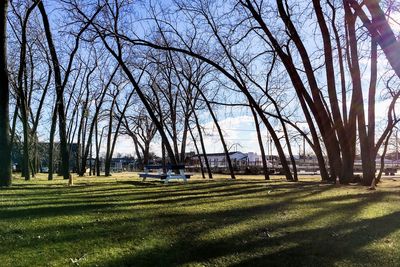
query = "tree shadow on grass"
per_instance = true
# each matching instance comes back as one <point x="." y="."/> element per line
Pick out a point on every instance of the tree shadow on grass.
<point x="66" y="201"/>
<point x="329" y="245"/>
<point x="45" y="207"/>
<point x="318" y="246"/>
<point x="311" y="248"/>
<point x="340" y="240"/>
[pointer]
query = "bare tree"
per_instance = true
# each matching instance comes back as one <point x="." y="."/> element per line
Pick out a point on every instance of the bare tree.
<point x="114" y="11"/>
<point x="61" y="83"/>
<point x="98" y="104"/>
<point x="142" y="131"/>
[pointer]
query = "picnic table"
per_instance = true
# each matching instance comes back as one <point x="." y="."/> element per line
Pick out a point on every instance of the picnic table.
<point x="157" y="172"/>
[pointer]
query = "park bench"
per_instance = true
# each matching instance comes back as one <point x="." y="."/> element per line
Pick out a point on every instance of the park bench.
<point x="157" y="172"/>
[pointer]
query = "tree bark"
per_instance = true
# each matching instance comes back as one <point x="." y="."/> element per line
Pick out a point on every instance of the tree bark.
<point x="5" y="146"/>
<point x="107" y="165"/>
<point x="358" y="104"/>
<point x="51" y="143"/>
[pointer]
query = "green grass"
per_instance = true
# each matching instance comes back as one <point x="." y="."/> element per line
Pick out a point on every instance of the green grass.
<point x="120" y="221"/>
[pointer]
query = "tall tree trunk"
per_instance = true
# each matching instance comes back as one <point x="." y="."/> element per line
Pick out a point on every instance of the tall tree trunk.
<point x="146" y="153"/>
<point x="22" y="96"/>
<point x="60" y="94"/>
<point x="198" y="152"/>
<point x="163" y="158"/>
<point x="84" y="144"/>
<point x="184" y="138"/>
<point x="98" y="143"/>
<point x="107" y="165"/>
<point x="34" y="160"/>
<point x="358" y="105"/>
<point x="341" y="63"/>
<point x="371" y="107"/>
<point x="377" y="179"/>
<point x="203" y="147"/>
<point x="138" y="156"/>
<point x="25" y="158"/>
<point x="5" y="146"/>
<point x="343" y="132"/>
<point x="90" y="161"/>
<point x="79" y="143"/>
<point x="51" y="143"/>
<point x="14" y="124"/>
<point x="260" y="142"/>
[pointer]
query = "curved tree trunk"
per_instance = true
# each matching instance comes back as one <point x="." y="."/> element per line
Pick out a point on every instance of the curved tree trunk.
<point x="368" y="170"/>
<point x="221" y="136"/>
<point x="260" y="142"/>
<point x="286" y="135"/>
<point x="60" y="95"/>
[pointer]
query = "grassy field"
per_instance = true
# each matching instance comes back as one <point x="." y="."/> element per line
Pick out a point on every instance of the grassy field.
<point x="120" y="221"/>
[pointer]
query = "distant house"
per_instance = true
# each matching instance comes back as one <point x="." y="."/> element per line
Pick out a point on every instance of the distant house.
<point x="392" y="155"/>
<point x="256" y="160"/>
<point x="219" y="160"/>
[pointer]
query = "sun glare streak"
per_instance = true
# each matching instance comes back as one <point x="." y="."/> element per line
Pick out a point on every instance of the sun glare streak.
<point x="394" y="21"/>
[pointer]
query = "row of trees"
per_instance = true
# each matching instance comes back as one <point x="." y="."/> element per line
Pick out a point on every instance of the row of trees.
<point x="154" y="70"/>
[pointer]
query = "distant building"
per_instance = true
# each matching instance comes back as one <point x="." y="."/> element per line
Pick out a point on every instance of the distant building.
<point x="219" y="159"/>
<point x="242" y="163"/>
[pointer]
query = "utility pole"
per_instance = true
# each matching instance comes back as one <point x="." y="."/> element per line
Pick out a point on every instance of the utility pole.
<point x="267" y="149"/>
<point x="304" y="149"/>
<point x="270" y="147"/>
<point x="299" y="152"/>
<point x="397" y="146"/>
